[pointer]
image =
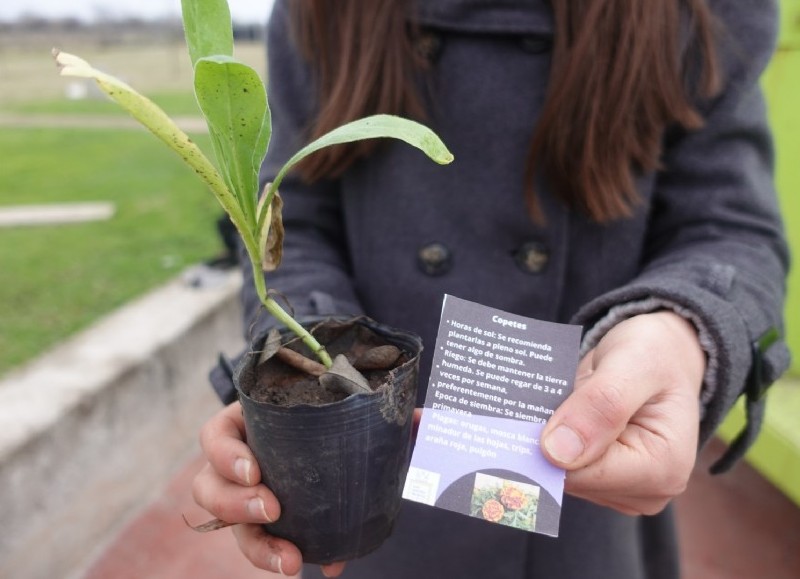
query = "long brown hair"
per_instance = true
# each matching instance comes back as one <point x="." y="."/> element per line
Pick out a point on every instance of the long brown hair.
<point x="620" y="77"/>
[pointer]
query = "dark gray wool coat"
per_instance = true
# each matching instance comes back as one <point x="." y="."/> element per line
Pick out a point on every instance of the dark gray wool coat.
<point x="396" y="232"/>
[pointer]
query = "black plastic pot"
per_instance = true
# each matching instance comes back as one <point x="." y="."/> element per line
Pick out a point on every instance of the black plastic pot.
<point x="337" y="469"/>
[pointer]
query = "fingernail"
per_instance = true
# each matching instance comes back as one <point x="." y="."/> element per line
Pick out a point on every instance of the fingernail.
<point x="242" y="469"/>
<point x="275" y="564"/>
<point x="564" y="445"/>
<point x="255" y="507"/>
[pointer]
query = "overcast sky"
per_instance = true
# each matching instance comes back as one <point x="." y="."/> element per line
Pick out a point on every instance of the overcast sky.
<point x="241" y="10"/>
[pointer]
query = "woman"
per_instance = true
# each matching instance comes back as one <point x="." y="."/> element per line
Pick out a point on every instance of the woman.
<point x="613" y="169"/>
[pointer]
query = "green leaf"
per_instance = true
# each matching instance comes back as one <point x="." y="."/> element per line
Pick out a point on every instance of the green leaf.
<point x="157" y="121"/>
<point x="234" y="102"/>
<point x="207" y="27"/>
<point x="374" y="127"/>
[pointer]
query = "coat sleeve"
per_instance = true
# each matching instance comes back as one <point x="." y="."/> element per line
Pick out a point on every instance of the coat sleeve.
<point x="314" y="275"/>
<point x="715" y="251"/>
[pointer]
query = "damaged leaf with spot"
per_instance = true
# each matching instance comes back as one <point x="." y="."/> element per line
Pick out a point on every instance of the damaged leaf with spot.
<point x="270" y="237"/>
<point x="378" y="358"/>
<point x="233" y="100"/>
<point x="342" y="377"/>
<point x="212" y="525"/>
<point x="271" y="345"/>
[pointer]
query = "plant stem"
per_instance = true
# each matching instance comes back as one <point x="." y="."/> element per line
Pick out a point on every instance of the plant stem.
<point x="282" y="316"/>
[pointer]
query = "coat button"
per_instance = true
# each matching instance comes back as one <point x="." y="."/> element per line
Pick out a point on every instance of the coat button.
<point x="434" y="259"/>
<point x="428" y="45"/>
<point x="532" y="257"/>
<point x="535" y="44"/>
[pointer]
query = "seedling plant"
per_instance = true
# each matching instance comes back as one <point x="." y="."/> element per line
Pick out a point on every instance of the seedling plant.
<point x="233" y="100"/>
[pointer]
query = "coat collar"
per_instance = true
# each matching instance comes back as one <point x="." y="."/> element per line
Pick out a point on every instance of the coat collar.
<point x="487" y="16"/>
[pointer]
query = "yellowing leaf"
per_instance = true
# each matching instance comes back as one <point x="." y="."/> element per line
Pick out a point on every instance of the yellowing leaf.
<point x="156" y="120"/>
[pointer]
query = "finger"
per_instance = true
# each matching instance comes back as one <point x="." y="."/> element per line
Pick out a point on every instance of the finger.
<point x="222" y="441"/>
<point x="594" y="415"/>
<point x="232" y="502"/>
<point x="333" y="570"/>
<point x="638" y="474"/>
<point x="415" y="426"/>
<point x="268" y="552"/>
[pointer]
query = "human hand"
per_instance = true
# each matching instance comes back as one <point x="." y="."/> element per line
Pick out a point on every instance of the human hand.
<point x="628" y="433"/>
<point x="229" y="488"/>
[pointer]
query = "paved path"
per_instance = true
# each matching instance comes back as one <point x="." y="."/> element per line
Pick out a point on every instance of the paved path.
<point x="54" y="213"/>
<point x="91" y="121"/>
<point x="734" y="526"/>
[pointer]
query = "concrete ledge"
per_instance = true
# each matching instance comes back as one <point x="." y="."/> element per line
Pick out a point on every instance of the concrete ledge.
<point x="55" y="213"/>
<point x="189" y="124"/>
<point x="95" y="427"/>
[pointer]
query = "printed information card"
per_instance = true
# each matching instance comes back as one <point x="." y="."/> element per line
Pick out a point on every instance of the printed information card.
<point x="496" y="379"/>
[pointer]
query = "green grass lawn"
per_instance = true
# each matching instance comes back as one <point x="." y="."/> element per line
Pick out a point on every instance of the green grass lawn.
<point x="56" y="280"/>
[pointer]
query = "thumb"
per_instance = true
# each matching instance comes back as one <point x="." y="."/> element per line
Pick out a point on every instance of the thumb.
<point x="595" y="414"/>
